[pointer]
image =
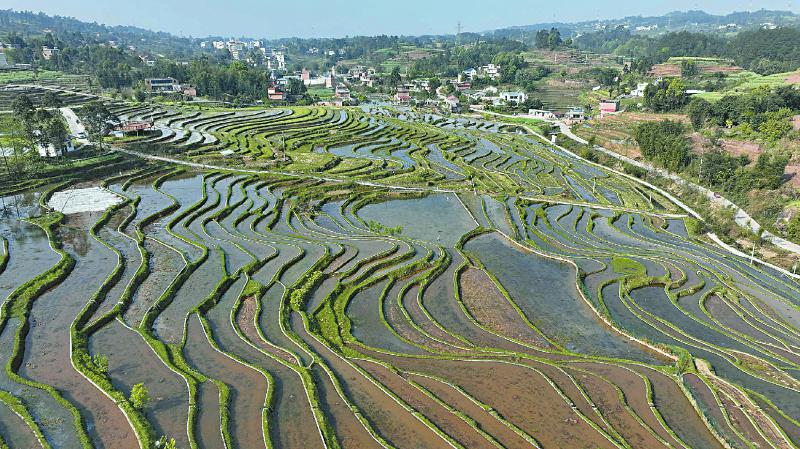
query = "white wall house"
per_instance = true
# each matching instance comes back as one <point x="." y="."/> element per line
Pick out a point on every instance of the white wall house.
<point x="514" y="97"/>
<point x="50" y="151"/>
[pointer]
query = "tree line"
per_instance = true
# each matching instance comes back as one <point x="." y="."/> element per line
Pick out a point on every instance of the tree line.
<point x="764" y="51"/>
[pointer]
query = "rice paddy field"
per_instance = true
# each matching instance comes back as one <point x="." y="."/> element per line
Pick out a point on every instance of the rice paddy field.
<point x="378" y="278"/>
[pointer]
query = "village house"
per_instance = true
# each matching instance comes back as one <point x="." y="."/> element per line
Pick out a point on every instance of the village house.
<point x="330" y="80"/>
<point x="342" y="93"/>
<point x="162" y="85"/>
<point x="575" y="115"/>
<point x="131" y="128"/>
<point x="189" y="90"/>
<point x="639" y="91"/>
<point x="402" y="96"/>
<point x="490" y="71"/>
<point x="609" y="107"/>
<point x="541" y="114"/>
<point x="453" y="104"/>
<point x="49" y="52"/>
<point x="514" y="97"/>
<point x="49" y="150"/>
<point x="470" y="74"/>
<point x="275" y="93"/>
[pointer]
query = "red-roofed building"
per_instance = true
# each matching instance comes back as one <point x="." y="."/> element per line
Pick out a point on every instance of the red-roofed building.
<point x="609" y="106"/>
<point x="402" y="96"/>
<point x="274" y="93"/>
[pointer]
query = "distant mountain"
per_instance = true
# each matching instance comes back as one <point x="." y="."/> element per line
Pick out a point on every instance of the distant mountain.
<point x="26" y="23"/>
<point x="674" y="21"/>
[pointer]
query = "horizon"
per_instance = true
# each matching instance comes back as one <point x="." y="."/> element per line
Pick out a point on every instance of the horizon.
<point x="369" y="20"/>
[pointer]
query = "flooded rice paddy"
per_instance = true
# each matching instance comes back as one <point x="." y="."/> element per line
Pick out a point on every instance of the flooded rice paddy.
<point x="395" y="280"/>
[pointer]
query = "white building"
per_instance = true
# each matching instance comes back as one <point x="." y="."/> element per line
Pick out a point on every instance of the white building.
<point x="514" y="97"/>
<point x="541" y="114"/>
<point x="639" y="91"/>
<point x="491" y="71"/>
<point x="50" y="151"/>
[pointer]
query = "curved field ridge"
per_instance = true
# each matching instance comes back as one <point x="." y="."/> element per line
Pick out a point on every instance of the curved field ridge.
<point x="380" y="278"/>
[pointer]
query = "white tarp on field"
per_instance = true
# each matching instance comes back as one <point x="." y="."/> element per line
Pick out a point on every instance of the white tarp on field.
<point x="91" y="199"/>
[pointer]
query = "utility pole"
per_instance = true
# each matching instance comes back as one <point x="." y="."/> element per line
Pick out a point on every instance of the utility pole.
<point x="753" y="254"/>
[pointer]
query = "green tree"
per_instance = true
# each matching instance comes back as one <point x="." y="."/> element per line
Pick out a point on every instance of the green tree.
<point x="699" y="111"/>
<point x="664" y="142"/>
<point x="666" y="95"/>
<point x="394" y="77"/>
<point x="22" y="106"/>
<point x="51" y="100"/>
<point x="139" y="396"/>
<point x="98" y="120"/>
<point x="793" y="230"/>
<point x="776" y="125"/>
<point x="689" y="69"/>
<point x="433" y="84"/>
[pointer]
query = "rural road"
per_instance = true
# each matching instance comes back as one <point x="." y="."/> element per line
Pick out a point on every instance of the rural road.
<point x="741" y="217"/>
<point x="75" y="125"/>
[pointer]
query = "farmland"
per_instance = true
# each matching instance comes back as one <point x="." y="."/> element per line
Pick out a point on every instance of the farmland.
<point x="377" y="277"/>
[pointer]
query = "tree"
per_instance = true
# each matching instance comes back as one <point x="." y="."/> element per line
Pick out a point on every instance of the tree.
<point x="776" y="124"/>
<point x="98" y="121"/>
<point x="665" y="95"/>
<point x="699" y="111"/>
<point x="22" y="106"/>
<point x="394" y="77"/>
<point x="139" y="396"/>
<point x="51" y="100"/>
<point x="549" y="39"/>
<point x="664" y="142"/>
<point x="793" y="230"/>
<point x="769" y="170"/>
<point x="433" y="84"/>
<point x="689" y="69"/>
<point x="295" y="87"/>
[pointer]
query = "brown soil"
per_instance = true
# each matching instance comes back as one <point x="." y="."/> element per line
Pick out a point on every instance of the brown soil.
<point x="745" y="404"/>
<point x="674" y="70"/>
<point x="449" y="423"/>
<point x="793" y="172"/>
<point x="634" y="389"/>
<point x="793" y="78"/>
<point x="518" y="394"/>
<point x="486" y="421"/>
<point x="733" y="147"/>
<point x="605" y="397"/>
<point x="245" y="320"/>
<point x="248" y="387"/>
<point x="491" y="309"/>
<point x="389" y="418"/>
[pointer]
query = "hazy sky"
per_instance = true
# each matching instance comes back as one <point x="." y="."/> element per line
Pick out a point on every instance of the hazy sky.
<point x="327" y="18"/>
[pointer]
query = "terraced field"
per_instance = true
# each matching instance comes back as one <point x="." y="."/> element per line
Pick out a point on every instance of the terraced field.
<point x="370" y="277"/>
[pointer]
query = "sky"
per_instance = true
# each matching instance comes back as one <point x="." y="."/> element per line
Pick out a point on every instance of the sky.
<point x="335" y="18"/>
